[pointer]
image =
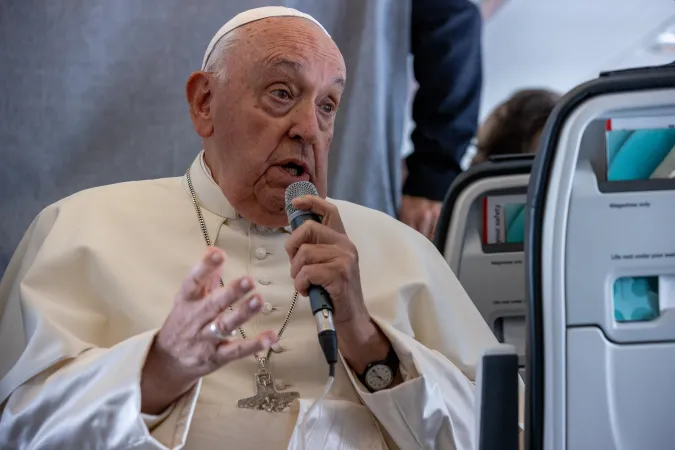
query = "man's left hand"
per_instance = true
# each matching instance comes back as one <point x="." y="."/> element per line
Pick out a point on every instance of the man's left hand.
<point x="421" y="214"/>
<point x="321" y="254"/>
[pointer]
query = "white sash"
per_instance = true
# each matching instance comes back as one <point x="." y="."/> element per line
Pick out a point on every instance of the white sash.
<point x="336" y="425"/>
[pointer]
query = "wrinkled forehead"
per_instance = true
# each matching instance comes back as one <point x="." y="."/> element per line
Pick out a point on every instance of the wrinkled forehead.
<point x="292" y="46"/>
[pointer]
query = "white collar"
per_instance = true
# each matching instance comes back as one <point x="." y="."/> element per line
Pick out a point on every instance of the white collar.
<point x="211" y="197"/>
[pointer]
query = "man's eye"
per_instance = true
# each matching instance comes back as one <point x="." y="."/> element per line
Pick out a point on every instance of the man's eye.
<point x="281" y="94"/>
<point x="328" y="108"/>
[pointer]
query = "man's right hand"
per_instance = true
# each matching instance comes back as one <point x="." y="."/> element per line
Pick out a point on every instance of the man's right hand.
<point x="184" y="349"/>
<point x="421" y="214"/>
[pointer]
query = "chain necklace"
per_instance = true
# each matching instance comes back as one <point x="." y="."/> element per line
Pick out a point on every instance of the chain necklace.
<point x="267" y="397"/>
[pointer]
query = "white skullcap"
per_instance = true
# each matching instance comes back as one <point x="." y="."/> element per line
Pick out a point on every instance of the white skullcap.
<point x="253" y="15"/>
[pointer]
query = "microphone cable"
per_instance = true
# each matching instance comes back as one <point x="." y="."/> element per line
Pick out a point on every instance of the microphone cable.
<point x="313" y="406"/>
<point x="320" y="301"/>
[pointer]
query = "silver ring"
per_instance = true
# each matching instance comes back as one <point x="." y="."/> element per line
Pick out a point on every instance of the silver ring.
<point x="213" y="328"/>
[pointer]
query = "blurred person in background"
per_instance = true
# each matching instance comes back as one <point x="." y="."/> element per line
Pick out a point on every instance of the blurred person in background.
<point x="515" y="126"/>
<point x="446" y="46"/>
<point x="107" y="108"/>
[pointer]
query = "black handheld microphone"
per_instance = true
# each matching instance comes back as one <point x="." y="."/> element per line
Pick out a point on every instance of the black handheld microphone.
<point x="319" y="300"/>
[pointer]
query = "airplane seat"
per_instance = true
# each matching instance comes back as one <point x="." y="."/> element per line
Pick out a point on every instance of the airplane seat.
<point x="497" y="384"/>
<point x="600" y="268"/>
<point x="480" y="234"/>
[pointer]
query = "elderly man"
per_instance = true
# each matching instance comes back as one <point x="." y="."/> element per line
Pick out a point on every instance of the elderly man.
<point x="110" y="340"/>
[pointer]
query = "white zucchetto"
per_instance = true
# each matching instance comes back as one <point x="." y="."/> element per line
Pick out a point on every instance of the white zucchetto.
<point x="253" y="15"/>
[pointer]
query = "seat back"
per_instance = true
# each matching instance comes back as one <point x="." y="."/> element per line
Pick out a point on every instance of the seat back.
<point x="480" y="234"/>
<point x="600" y="260"/>
<point x="497" y="399"/>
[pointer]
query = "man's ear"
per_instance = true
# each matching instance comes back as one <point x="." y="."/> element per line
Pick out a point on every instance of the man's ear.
<point x="198" y="91"/>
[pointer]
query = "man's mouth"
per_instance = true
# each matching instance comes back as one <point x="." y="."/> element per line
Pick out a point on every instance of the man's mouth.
<point x="295" y="170"/>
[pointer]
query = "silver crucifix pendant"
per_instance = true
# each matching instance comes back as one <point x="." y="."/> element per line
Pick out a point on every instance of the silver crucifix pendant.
<point x="267" y="398"/>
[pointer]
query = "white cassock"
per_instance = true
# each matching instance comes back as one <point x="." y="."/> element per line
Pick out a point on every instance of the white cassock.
<point x="96" y="274"/>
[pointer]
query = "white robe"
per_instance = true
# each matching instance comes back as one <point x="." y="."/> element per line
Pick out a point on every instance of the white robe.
<point x="95" y="276"/>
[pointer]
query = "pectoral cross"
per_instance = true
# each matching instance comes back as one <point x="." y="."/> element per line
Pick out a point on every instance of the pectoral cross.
<point x="267" y="398"/>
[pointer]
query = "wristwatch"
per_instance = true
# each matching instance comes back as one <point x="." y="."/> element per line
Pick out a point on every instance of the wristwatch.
<point x="380" y="375"/>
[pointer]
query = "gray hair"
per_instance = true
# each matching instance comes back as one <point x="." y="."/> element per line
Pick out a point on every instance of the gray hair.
<point x="216" y="61"/>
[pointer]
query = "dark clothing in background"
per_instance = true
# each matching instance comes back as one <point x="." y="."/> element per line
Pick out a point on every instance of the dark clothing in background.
<point x="92" y="93"/>
<point x="446" y="44"/>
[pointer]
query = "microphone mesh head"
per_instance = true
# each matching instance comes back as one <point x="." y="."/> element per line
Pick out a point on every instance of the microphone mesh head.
<point x="295" y="190"/>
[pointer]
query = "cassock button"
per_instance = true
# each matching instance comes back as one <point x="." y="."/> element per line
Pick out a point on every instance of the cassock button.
<point x="267" y="309"/>
<point x="261" y="253"/>
<point x="264" y="281"/>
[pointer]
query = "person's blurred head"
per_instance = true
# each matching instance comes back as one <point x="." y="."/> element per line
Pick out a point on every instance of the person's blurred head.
<point x="514" y="126"/>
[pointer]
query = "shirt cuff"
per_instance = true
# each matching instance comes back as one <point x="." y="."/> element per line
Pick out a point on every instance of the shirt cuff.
<point x="152" y="421"/>
<point x="170" y="429"/>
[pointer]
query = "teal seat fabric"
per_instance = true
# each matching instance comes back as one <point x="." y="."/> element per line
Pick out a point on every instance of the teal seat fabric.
<point x="615" y="140"/>
<point x="515" y="223"/>
<point x="636" y="299"/>
<point x="639" y="155"/>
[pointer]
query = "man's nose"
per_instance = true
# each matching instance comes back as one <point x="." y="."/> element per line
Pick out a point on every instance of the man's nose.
<point x="305" y="123"/>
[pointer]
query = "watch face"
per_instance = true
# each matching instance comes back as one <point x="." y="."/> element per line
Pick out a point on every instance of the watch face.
<point x="379" y="377"/>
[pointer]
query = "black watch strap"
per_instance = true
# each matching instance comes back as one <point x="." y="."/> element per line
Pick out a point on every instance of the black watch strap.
<point x="391" y="361"/>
